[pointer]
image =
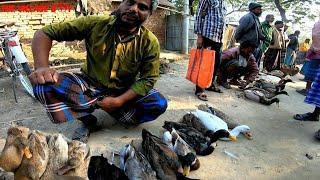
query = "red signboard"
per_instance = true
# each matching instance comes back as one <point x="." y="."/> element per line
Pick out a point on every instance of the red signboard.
<point x="42" y="7"/>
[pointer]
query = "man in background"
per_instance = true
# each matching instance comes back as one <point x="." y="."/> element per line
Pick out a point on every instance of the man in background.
<point x="249" y="29"/>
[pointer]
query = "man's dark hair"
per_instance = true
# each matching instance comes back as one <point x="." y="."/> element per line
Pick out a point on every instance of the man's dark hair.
<point x="278" y="22"/>
<point x="247" y="44"/>
<point x="269" y="16"/>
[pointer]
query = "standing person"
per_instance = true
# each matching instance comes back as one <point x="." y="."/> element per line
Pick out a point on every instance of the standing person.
<point x="209" y="25"/>
<point x="313" y="56"/>
<point x="313" y="98"/>
<point x="303" y="49"/>
<point x="292" y="48"/>
<point x="121" y="69"/>
<point x="249" y="29"/>
<point x="273" y="55"/>
<point x="267" y="30"/>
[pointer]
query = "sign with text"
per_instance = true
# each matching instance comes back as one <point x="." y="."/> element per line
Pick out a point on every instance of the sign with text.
<point x="39" y="7"/>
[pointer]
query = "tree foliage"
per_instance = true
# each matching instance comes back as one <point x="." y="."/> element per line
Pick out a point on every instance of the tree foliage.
<point x="297" y="9"/>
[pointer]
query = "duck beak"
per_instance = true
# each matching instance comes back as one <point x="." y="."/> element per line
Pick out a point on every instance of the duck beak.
<point x="248" y="135"/>
<point x="232" y="138"/>
<point x="186" y="170"/>
<point x="27" y="153"/>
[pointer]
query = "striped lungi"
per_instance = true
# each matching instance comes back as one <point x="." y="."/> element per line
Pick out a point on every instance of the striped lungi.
<point x="313" y="96"/>
<point x="310" y="69"/>
<point x="75" y="96"/>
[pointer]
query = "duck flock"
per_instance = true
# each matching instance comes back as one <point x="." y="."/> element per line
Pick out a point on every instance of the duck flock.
<point x="32" y="155"/>
<point x="265" y="89"/>
<point x="175" y="153"/>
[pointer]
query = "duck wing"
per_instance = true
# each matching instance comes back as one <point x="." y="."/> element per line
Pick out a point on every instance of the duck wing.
<point x="210" y="121"/>
<point x="163" y="160"/>
<point x="192" y="121"/>
<point x="135" y="165"/>
<point x="200" y="143"/>
<point x="231" y="123"/>
<point x="101" y="169"/>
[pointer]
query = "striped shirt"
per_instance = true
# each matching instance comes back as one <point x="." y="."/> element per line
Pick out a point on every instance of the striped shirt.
<point x="210" y="19"/>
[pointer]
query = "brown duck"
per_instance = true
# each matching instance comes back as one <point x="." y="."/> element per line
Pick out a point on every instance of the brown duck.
<point x="162" y="159"/>
<point x="16" y="147"/>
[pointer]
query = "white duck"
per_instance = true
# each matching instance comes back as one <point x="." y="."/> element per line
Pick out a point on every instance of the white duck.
<point x="215" y="123"/>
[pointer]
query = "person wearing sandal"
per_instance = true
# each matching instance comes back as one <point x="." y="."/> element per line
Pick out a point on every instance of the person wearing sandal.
<point x="209" y="24"/>
<point x="313" y="59"/>
<point x="313" y="97"/>
<point x="237" y="62"/>
<point x="118" y="76"/>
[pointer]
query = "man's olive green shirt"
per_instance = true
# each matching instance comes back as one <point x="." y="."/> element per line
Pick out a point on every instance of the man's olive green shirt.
<point x="118" y="64"/>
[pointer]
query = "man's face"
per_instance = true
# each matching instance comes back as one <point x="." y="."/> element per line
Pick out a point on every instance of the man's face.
<point x="257" y="11"/>
<point x="133" y="13"/>
<point x="246" y="52"/>
<point x="279" y="27"/>
<point x="270" y="19"/>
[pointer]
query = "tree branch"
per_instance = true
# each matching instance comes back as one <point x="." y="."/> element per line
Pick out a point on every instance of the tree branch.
<point x="281" y="10"/>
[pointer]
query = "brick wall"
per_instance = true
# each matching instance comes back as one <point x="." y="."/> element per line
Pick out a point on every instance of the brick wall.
<point x="34" y="15"/>
<point x="27" y="15"/>
<point x="157" y="24"/>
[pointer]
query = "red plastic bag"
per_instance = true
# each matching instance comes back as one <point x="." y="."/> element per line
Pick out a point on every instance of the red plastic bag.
<point x="201" y="67"/>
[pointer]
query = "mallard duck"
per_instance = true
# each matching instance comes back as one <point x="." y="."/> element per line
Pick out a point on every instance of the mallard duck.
<point x="271" y="87"/>
<point x="192" y="121"/>
<point x="260" y="96"/>
<point x="34" y="167"/>
<point x="15" y="148"/>
<point x="101" y="169"/>
<point x="162" y="159"/>
<point x="4" y="175"/>
<point x="58" y="155"/>
<point x="135" y="164"/>
<point x="200" y="143"/>
<point x="214" y="123"/>
<point x="186" y="154"/>
<point x="78" y="160"/>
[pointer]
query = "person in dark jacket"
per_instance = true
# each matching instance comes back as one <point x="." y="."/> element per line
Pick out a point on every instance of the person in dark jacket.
<point x="249" y="29"/>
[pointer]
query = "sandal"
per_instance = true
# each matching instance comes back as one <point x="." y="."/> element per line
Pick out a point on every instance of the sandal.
<point x="317" y="135"/>
<point x="305" y="117"/>
<point x="214" y="89"/>
<point x="81" y="134"/>
<point x="202" y="96"/>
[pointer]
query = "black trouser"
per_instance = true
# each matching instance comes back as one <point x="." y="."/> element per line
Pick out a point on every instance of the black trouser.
<point x="258" y="54"/>
<point x="208" y="43"/>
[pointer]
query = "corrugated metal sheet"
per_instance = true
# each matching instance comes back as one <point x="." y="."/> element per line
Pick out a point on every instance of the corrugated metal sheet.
<point x="174" y="32"/>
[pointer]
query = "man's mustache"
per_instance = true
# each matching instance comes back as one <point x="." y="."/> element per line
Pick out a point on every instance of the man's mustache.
<point x="132" y="15"/>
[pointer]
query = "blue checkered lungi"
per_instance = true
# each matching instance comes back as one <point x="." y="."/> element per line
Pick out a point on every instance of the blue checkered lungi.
<point x="313" y="96"/>
<point x="75" y="96"/>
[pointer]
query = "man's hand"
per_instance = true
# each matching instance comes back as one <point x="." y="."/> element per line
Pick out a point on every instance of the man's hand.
<point x="199" y="42"/>
<point x="243" y="83"/>
<point x="110" y="104"/>
<point x="44" y="75"/>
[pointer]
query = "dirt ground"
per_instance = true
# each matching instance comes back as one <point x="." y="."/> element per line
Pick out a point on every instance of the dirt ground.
<point x="278" y="150"/>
